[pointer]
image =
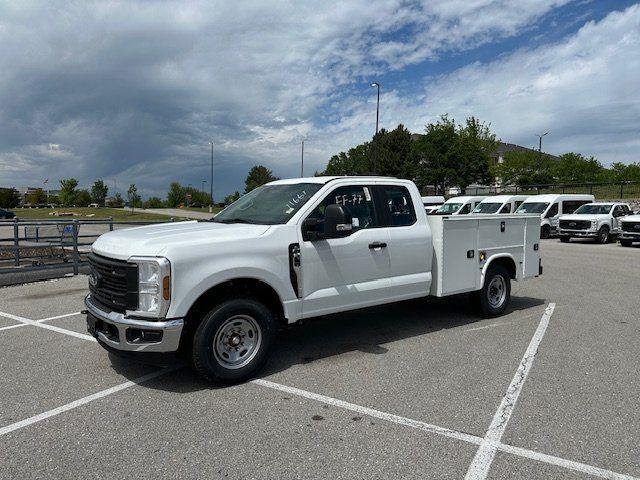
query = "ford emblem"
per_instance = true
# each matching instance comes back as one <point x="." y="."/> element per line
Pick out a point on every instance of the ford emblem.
<point x="94" y="278"/>
<point x="572" y="224"/>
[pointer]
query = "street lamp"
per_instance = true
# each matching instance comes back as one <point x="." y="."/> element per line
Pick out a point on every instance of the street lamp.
<point x="211" y="183"/>
<point x="203" y="182"/>
<point x="540" y="141"/>
<point x="377" y="85"/>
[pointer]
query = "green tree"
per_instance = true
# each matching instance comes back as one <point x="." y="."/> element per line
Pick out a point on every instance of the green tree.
<point x="83" y="198"/>
<point x="231" y="198"/>
<point x="132" y="196"/>
<point x="525" y="168"/>
<point x="620" y="172"/>
<point x="99" y="192"/>
<point x="175" y="195"/>
<point x="9" y="198"/>
<point x="37" y="197"/>
<point x="116" y="201"/>
<point x="258" y="176"/>
<point x="68" y="191"/>
<point x="153" y="202"/>
<point x="574" y="168"/>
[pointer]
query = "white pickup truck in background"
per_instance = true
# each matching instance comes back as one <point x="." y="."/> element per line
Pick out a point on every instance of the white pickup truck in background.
<point x="600" y="221"/>
<point x="629" y="230"/>
<point x="217" y="291"/>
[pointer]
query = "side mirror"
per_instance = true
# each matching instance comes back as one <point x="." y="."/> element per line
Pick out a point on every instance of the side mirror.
<point x="337" y="221"/>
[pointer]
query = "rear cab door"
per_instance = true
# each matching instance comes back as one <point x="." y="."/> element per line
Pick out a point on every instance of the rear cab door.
<point x="410" y="243"/>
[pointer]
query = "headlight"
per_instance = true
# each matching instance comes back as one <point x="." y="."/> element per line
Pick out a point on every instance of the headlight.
<point x="594" y="224"/>
<point x="154" y="286"/>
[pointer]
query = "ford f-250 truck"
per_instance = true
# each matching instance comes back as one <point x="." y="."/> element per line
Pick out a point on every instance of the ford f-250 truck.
<point x="217" y="291"/>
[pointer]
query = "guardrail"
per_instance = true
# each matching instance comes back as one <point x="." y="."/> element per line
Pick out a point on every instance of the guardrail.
<point x="51" y="244"/>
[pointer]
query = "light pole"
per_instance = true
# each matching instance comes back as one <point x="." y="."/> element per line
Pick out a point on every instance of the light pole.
<point x="203" y="182"/>
<point x="377" y="85"/>
<point x="302" y="160"/>
<point x="540" y="141"/>
<point x="211" y="183"/>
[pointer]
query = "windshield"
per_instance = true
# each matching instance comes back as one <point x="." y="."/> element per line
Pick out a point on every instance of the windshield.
<point x="593" y="209"/>
<point x="269" y="204"/>
<point x="449" y="208"/>
<point x="533" y="207"/>
<point x="487" y="207"/>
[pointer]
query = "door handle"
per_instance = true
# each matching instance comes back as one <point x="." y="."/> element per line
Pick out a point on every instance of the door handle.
<point x="377" y="245"/>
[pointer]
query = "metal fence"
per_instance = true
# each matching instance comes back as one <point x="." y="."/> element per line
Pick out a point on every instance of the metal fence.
<point x="28" y="245"/>
<point x="609" y="191"/>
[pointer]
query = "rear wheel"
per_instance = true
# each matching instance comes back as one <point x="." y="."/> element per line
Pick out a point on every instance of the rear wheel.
<point x="603" y="235"/>
<point x="233" y="341"/>
<point x="626" y="243"/>
<point x="494" y="297"/>
<point x="545" y="231"/>
<point x="565" y="239"/>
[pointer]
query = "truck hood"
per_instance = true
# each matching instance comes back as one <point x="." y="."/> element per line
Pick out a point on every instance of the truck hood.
<point x="584" y="217"/>
<point x="631" y="218"/>
<point x="155" y="240"/>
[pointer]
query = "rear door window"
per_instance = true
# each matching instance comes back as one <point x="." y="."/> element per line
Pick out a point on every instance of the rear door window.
<point x="395" y="205"/>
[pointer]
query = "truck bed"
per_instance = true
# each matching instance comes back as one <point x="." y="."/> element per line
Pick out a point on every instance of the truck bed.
<point x="463" y="245"/>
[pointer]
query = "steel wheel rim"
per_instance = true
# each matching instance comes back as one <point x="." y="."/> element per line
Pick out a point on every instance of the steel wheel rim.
<point x="497" y="291"/>
<point x="603" y="235"/>
<point x="237" y="341"/>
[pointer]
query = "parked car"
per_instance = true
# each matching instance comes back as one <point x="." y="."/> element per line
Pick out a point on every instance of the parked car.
<point x="458" y="205"/>
<point x="216" y="291"/>
<point x="6" y="214"/>
<point x="500" y="204"/>
<point x="432" y="203"/>
<point x="600" y="221"/>
<point x="551" y="207"/>
<point x="629" y="230"/>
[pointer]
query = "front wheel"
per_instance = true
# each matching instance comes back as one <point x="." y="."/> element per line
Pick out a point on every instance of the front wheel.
<point x="603" y="235"/>
<point x="233" y="341"/>
<point x="494" y="297"/>
<point x="565" y="238"/>
<point x="626" y="243"/>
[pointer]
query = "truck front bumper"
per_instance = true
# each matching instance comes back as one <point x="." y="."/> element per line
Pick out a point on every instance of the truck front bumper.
<point x="117" y="332"/>
<point x="578" y="233"/>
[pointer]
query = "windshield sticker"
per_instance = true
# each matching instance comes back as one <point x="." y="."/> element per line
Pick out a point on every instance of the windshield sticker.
<point x="291" y="204"/>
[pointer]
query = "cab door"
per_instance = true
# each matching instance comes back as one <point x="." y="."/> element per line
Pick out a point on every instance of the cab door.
<point x="347" y="272"/>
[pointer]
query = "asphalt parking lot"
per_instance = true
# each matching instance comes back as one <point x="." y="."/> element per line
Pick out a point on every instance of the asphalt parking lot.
<point x="422" y="389"/>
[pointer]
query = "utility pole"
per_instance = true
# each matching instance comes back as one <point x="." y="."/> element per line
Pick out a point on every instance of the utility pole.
<point x="302" y="161"/>
<point x="211" y="184"/>
<point x="375" y="143"/>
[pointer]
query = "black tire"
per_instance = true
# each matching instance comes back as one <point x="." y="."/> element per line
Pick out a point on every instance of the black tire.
<point x="603" y="235"/>
<point x="257" y="323"/>
<point x="487" y="307"/>
<point x="626" y="243"/>
<point x="565" y="238"/>
<point x="545" y="231"/>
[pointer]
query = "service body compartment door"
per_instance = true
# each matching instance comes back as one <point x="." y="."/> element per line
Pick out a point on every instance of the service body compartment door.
<point x="459" y="256"/>
<point x="531" y="248"/>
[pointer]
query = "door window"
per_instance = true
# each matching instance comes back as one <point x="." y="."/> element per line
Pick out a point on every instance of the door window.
<point x="396" y="207"/>
<point x="618" y="211"/>
<point x="356" y="199"/>
<point x="466" y="209"/>
<point x="506" y="208"/>
<point x="553" y="211"/>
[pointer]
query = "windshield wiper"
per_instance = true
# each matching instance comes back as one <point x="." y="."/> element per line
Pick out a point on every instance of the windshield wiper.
<point x="233" y="220"/>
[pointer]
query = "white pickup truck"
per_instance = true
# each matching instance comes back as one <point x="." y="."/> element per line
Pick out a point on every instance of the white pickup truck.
<point x="600" y="221"/>
<point x="217" y="291"/>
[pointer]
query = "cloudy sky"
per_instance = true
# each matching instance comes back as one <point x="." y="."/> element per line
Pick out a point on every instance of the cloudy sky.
<point x="134" y="91"/>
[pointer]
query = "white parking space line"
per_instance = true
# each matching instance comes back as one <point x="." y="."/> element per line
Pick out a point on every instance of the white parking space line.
<point x="407" y="422"/>
<point x="82" y="401"/>
<point x="479" y="468"/>
<point x="39" y="321"/>
<point x="41" y="324"/>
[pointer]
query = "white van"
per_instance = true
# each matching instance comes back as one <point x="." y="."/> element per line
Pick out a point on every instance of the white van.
<point x="499" y="204"/>
<point x="432" y="203"/>
<point x="551" y="207"/>
<point x="459" y="205"/>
